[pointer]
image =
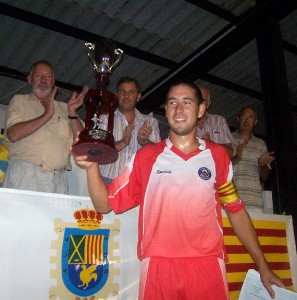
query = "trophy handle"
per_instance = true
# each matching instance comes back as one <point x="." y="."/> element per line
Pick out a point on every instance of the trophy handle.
<point x="116" y="59"/>
<point x="91" y="54"/>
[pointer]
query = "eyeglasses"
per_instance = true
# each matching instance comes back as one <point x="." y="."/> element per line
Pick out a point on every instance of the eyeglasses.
<point x="248" y="117"/>
<point x="129" y="92"/>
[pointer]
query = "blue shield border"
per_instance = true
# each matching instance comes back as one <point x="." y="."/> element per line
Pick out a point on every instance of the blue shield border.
<point x="71" y="272"/>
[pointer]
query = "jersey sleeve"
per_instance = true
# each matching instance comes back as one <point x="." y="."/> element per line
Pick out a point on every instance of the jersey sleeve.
<point x="129" y="189"/>
<point x="226" y="190"/>
<point x="124" y="189"/>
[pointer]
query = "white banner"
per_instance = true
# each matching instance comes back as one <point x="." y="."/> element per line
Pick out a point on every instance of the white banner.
<point x="33" y="235"/>
<point x="56" y="247"/>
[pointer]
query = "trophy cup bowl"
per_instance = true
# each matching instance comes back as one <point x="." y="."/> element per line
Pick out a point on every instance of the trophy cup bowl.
<point x="96" y="140"/>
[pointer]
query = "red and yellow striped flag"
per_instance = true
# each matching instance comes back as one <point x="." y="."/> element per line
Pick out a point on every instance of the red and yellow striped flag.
<point x="93" y="251"/>
<point x="273" y="239"/>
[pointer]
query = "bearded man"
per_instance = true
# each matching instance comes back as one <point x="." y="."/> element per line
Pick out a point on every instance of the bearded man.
<point x="40" y="131"/>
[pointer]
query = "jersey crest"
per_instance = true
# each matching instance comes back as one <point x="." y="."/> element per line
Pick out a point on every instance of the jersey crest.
<point x="204" y="173"/>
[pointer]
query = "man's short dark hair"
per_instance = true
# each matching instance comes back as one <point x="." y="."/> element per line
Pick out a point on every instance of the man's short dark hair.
<point x="128" y="79"/>
<point x="191" y="85"/>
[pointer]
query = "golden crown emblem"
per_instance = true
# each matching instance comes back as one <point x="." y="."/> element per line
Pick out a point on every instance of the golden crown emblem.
<point x="88" y="219"/>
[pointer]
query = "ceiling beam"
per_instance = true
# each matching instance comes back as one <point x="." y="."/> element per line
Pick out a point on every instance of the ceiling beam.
<point x="10" y="73"/>
<point x="7" y="72"/>
<point x="214" y="9"/>
<point x="77" y="33"/>
<point x="14" y="74"/>
<point x="290" y="47"/>
<point x="208" y="56"/>
<point x="231" y="86"/>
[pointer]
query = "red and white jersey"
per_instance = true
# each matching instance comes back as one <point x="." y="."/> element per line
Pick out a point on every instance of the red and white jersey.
<point x="180" y="214"/>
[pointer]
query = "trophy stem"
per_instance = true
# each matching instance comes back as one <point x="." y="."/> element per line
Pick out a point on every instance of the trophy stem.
<point x="102" y="80"/>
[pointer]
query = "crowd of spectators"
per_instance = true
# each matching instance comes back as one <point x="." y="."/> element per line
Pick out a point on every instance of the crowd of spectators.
<point x="39" y="131"/>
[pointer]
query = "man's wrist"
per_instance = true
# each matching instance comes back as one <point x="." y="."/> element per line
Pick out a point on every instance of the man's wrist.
<point x="120" y="145"/>
<point x="260" y="164"/>
<point x="72" y="117"/>
<point x="143" y="143"/>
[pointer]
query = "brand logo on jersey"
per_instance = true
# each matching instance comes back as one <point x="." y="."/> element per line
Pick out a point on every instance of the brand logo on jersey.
<point x="204" y="173"/>
<point x="163" y="171"/>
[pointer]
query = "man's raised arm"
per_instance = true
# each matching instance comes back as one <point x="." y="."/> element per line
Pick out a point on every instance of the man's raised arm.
<point x="97" y="188"/>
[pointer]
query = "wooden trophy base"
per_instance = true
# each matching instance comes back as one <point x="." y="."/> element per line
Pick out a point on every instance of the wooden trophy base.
<point x="99" y="152"/>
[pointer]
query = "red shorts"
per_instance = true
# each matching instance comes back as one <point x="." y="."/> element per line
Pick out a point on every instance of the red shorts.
<point x="183" y="278"/>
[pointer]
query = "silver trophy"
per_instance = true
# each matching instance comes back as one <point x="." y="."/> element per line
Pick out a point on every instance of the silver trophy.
<point x="105" y="65"/>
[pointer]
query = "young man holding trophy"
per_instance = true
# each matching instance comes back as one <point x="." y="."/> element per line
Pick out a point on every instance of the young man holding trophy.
<point x="180" y="185"/>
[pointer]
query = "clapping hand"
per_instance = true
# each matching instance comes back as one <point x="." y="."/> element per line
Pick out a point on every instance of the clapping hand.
<point x="48" y="103"/>
<point x="266" y="158"/>
<point x="76" y="101"/>
<point x="127" y="134"/>
<point x="143" y="133"/>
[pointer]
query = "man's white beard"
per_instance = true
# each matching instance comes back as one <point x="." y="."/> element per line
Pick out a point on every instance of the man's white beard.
<point x="41" y="92"/>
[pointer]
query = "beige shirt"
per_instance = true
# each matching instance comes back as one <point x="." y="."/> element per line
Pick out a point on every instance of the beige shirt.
<point x="48" y="147"/>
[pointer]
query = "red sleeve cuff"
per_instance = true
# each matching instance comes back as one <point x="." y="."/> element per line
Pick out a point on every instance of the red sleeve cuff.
<point x="235" y="206"/>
